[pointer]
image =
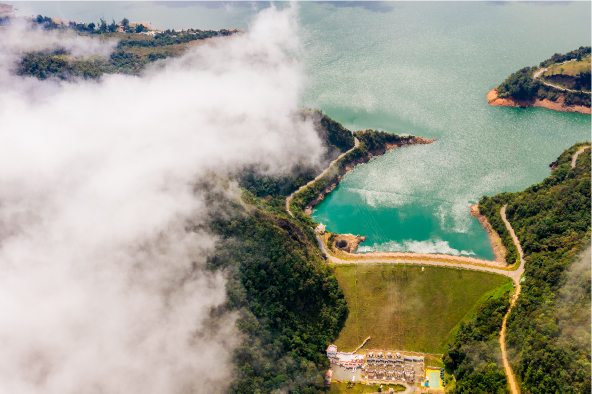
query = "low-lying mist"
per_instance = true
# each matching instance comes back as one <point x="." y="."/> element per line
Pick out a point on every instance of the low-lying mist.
<point x="102" y="289"/>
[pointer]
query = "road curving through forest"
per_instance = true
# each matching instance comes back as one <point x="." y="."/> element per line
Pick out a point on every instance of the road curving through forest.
<point x="356" y="144"/>
<point x="575" y="156"/>
<point x="502" y="339"/>
<point x="542" y="70"/>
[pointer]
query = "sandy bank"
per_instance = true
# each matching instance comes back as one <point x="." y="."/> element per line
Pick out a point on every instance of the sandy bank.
<point x="558" y="105"/>
<point x="412" y="256"/>
<point x="499" y="250"/>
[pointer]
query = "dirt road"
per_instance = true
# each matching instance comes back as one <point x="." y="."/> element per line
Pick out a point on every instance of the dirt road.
<point x="502" y="339"/>
<point x="433" y="260"/>
<point x="356" y="144"/>
<point x="542" y="70"/>
<point x="575" y="156"/>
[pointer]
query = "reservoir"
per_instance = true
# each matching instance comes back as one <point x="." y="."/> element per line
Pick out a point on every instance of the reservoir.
<point x="424" y="69"/>
<point x="412" y="68"/>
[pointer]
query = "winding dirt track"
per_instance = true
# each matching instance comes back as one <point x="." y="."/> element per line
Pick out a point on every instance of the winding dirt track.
<point x="356" y="144"/>
<point x="542" y="70"/>
<point x="502" y="339"/>
<point x="575" y="156"/>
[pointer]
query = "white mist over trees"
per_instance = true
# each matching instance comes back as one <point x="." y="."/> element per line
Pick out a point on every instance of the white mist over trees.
<point x="101" y="288"/>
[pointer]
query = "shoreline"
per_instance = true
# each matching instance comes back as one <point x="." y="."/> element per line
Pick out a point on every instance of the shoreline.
<point x="558" y="105"/>
<point x="347" y="253"/>
<point x="362" y="160"/>
<point x="499" y="250"/>
<point x="353" y="241"/>
<point x="374" y="256"/>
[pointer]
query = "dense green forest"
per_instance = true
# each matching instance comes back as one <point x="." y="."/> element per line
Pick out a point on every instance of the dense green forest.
<point x="289" y="304"/>
<point x="134" y="50"/>
<point x="521" y="85"/>
<point x="548" y="334"/>
<point x="473" y="356"/>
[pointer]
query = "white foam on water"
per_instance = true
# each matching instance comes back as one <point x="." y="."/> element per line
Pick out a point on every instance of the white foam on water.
<point x="432" y="246"/>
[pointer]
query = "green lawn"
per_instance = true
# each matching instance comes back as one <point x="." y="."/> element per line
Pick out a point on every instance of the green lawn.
<point x="360" y="388"/>
<point x="572" y="68"/>
<point x="403" y="308"/>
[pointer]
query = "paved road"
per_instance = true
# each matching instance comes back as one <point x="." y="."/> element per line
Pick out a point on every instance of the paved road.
<point x="356" y="144"/>
<point x="575" y="156"/>
<point x="502" y="339"/>
<point x="542" y="70"/>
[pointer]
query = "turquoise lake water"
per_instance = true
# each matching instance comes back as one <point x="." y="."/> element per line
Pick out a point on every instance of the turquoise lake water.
<point x="425" y="69"/>
<point x="414" y="68"/>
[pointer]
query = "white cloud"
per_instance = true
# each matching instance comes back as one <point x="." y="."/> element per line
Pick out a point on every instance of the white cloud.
<point x="98" y="292"/>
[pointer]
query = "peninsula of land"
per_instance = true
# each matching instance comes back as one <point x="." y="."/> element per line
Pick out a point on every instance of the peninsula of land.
<point x="561" y="83"/>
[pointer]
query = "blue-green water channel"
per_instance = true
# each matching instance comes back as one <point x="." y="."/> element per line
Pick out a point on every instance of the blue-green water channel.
<point x="415" y="68"/>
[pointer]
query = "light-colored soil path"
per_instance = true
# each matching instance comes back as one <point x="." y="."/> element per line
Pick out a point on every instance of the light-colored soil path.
<point x="575" y="156"/>
<point x="502" y="339"/>
<point x="542" y="70"/>
<point x="356" y="144"/>
<point x="433" y="260"/>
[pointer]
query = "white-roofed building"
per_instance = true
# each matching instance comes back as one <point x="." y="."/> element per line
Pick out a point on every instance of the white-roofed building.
<point x="345" y="359"/>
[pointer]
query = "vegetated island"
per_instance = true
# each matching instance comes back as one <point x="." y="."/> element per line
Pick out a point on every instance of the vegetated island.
<point x="561" y="83"/>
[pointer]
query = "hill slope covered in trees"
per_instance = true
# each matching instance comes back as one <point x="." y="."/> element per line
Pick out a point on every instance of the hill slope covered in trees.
<point x="523" y="88"/>
<point x="549" y="328"/>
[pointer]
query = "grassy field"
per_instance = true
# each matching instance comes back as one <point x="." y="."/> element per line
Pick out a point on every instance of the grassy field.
<point x="359" y="388"/>
<point x="572" y="69"/>
<point x="403" y="308"/>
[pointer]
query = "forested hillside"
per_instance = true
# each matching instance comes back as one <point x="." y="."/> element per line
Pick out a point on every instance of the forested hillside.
<point x="289" y="304"/>
<point x="474" y="355"/>
<point x="522" y="86"/>
<point x="549" y="328"/>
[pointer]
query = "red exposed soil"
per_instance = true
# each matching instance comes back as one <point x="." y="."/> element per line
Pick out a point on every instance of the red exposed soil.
<point x="558" y="105"/>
